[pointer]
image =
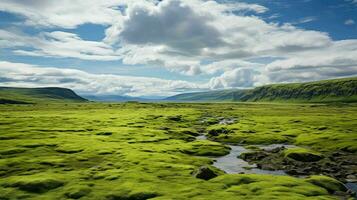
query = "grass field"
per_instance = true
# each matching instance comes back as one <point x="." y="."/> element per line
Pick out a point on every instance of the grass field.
<point x="137" y="151"/>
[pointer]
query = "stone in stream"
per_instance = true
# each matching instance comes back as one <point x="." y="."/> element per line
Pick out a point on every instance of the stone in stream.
<point x="204" y="173"/>
<point x="305" y="157"/>
<point x="216" y="132"/>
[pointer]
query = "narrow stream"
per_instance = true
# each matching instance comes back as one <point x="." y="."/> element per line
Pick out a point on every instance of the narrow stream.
<point x="232" y="164"/>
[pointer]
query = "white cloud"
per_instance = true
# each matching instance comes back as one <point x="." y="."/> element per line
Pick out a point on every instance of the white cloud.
<point x="349" y="22"/>
<point x="63" y="13"/>
<point x="238" y="7"/>
<point x="338" y="60"/>
<point x="57" y="44"/>
<point x="305" y="20"/>
<point x="25" y="75"/>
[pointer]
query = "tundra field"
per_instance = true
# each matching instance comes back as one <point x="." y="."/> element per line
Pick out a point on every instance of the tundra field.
<point x="137" y="151"/>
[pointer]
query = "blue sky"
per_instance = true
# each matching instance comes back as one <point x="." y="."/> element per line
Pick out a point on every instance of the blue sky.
<point x="325" y="15"/>
<point x="161" y="48"/>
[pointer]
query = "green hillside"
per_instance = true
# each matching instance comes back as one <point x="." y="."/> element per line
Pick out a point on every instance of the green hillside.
<point x="221" y="95"/>
<point x="9" y="95"/>
<point x="337" y="90"/>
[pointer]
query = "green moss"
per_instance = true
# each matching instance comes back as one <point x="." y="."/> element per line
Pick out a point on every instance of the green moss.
<point x="131" y="196"/>
<point x="12" y="151"/>
<point x="151" y="155"/>
<point x="76" y="192"/>
<point x="267" y="186"/>
<point x="328" y="183"/>
<point x="69" y="149"/>
<point x="206" y="148"/>
<point x="37" y="183"/>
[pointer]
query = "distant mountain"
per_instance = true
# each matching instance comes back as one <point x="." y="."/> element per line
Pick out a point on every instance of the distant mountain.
<point x="113" y="98"/>
<point x="337" y="90"/>
<point x="12" y="95"/>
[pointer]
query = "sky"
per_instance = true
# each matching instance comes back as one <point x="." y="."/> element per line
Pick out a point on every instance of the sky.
<point x="157" y="48"/>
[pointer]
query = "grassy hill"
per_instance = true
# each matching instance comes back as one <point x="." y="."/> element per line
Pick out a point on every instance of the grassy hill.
<point x="337" y="90"/>
<point x="9" y="95"/>
<point x="221" y="95"/>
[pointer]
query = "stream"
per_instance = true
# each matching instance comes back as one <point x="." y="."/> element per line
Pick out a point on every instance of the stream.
<point x="232" y="164"/>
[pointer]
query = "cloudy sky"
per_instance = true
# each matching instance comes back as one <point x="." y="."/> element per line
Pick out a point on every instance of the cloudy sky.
<point x="161" y="48"/>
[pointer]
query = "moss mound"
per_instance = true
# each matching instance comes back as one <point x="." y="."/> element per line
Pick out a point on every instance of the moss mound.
<point x="36" y="184"/>
<point x="303" y="155"/>
<point x="132" y="196"/>
<point x="328" y="183"/>
<point x="77" y="192"/>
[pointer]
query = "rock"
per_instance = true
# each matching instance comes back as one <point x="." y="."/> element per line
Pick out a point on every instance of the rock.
<point x="104" y="133"/>
<point x="189" y="132"/>
<point x="216" y="132"/>
<point x="336" y="154"/>
<point x="351" y="176"/>
<point x="304" y="156"/>
<point x="267" y="166"/>
<point x="69" y="151"/>
<point x="253" y="156"/>
<point x="204" y="173"/>
<point x="322" y="128"/>
<point x="175" y="118"/>
<point x="277" y="149"/>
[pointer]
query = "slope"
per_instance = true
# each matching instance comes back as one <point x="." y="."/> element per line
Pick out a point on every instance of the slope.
<point x="10" y="95"/>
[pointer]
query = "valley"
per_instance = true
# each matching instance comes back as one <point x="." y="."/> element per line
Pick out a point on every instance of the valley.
<point x="177" y="151"/>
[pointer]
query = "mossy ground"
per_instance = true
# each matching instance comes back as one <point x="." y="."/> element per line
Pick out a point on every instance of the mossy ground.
<point x="148" y="151"/>
<point x="325" y="128"/>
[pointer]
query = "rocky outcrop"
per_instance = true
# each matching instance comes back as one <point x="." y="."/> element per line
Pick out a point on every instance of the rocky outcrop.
<point x="204" y="173"/>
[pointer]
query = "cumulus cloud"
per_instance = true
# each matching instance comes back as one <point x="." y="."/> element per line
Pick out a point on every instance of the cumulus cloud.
<point x="25" y="75"/>
<point x="236" y="78"/>
<point x="180" y="34"/>
<point x="171" y="23"/>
